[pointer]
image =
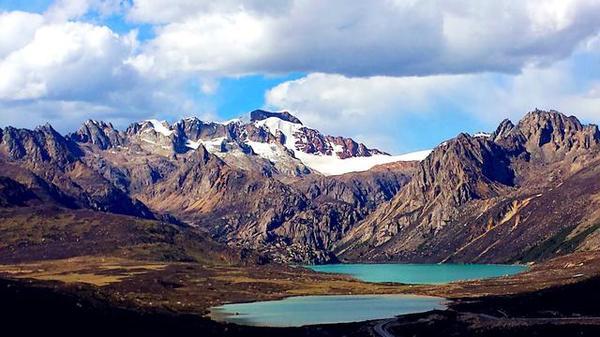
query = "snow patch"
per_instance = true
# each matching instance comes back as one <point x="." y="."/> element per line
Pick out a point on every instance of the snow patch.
<point x="337" y="148"/>
<point x="268" y="151"/>
<point x="332" y="165"/>
<point x="192" y="144"/>
<point x="160" y="127"/>
<point x="211" y="145"/>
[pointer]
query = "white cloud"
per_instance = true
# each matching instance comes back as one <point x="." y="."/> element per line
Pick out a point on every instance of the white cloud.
<point x="207" y="44"/>
<point x="392" y="38"/>
<point x="368" y="109"/>
<point x="66" y="116"/>
<point x="209" y="86"/>
<point x="63" y="10"/>
<point x="66" y="60"/>
<point x="168" y="11"/>
<point x="318" y="95"/>
<point x="160" y="100"/>
<point x="17" y="29"/>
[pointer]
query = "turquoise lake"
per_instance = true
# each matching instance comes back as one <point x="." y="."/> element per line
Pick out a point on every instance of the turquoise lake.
<point x="420" y="273"/>
<point x="309" y="310"/>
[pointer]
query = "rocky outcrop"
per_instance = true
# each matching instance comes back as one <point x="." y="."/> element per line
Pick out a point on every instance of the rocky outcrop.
<point x="313" y="142"/>
<point x="348" y="148"/>
<point x="547" y="136"/>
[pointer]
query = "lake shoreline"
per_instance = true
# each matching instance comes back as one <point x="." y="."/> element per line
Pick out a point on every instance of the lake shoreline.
<point x="251" y="313"/>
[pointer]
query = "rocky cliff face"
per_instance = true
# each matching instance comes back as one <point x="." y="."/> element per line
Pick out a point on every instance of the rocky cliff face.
<point x="53" y="165"/>
<point x="469" y="186"/>
<point x="39" y="146"/>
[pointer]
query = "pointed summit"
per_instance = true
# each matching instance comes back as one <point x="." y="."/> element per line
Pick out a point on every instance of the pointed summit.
<point x="102" y="134"/>
<point x="502" y="131"/>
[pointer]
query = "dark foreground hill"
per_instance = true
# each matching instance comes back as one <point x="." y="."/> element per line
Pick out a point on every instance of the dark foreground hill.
<point x="29" y="308"/>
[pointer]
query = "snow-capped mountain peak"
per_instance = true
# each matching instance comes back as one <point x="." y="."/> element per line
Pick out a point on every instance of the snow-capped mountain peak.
<point x="277" y="140"/>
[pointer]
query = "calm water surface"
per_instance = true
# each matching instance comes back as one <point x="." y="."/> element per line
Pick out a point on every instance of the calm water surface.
<point x="420" y="273"/>
<point x="309" y="310"/>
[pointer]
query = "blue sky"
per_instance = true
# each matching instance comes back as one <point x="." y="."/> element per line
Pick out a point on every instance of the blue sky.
<point x="397" y="75"/>
<point x="238" y="95"/>
<point x="29" y="6"/>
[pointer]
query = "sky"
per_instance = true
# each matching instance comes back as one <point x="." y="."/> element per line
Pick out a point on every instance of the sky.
<point x="399" y="75"/>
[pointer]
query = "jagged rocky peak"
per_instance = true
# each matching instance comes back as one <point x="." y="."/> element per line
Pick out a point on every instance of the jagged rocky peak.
<point x="557" y="132"/>
<point x="259" y="115"/>
<point x="503" y="130"/>
<point x="546" y="135"/>
<point x="297" y="137"/>
<point x="44" y="144"/>
<point x="100" y="133"/>
<point x="195" y="129"/>
<point x="469" y="186"/>
<point x="471" y="167"/>
<point x="151" y="126"/>
<point x="350" y="148"/>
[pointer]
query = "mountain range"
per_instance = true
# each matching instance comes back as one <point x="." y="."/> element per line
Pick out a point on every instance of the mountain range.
<point x="269" y="187"/>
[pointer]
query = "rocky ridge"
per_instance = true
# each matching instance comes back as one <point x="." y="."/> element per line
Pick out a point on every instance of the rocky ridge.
<point x="486" y="198"/>
<point x="254" y="185"/>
